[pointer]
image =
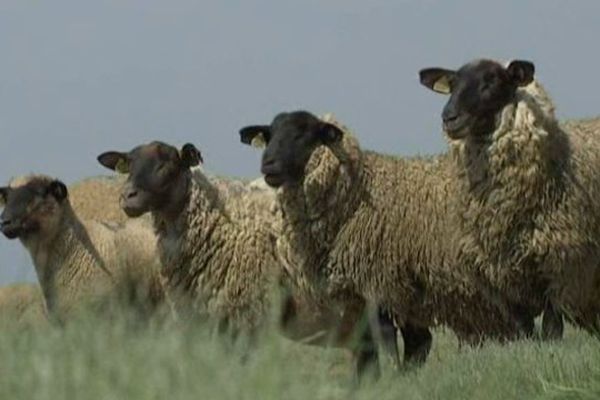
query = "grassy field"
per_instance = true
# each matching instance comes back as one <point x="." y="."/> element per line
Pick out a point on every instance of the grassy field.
<point x="95" y="359"/>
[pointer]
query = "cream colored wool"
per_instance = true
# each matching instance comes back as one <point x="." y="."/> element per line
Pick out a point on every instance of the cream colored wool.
<point x="22" y="305"/>
<point x="98" y="198"/>
<point x="219" y="261"/>
<point x="84" y="262"/>
<point x="224" y="265"/>
<point x="529" y="211"/>
<point x="380" y="228"/>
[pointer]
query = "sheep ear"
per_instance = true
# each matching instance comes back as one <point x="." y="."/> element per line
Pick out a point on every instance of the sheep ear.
<point x="330" y="133"/>
<point x="3" y="196"/>
<point x="256" y="135"/>
<point x="115" y="160"/>
<point x="190" y="156"/>
<point x="437" y="79"/>
<point x="58" y="190"/>
<point x="521" y="72"/>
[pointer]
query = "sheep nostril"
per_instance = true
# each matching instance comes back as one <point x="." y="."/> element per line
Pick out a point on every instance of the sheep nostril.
<point x="132" y="194"/>
<point x="4" y="223"/>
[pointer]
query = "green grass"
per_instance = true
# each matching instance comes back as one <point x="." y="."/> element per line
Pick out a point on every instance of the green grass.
<point x="95" y="359"/>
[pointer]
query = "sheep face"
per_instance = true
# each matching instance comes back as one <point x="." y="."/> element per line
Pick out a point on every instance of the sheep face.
<point x="32" y="205"/>
<point x="478" y="92"/>
<point x="157" y="176"/>
<point x="290" y="141"/>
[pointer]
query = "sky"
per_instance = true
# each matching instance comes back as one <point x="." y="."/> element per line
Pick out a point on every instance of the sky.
<point x="79" y="78"/>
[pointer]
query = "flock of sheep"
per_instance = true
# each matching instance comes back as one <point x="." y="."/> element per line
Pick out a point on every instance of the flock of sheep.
<point x="348" y="247"/>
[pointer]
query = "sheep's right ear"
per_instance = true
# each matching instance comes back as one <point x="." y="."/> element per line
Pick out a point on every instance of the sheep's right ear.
<point x="115" y="160"/>
<point x="58" y="190"/>
<point x="329" y="133"/>
<point x="437" y="79"/>
<point x="521" y="72"/>
<point x="256" y="135"/>
<point x="3" y="196"/>
<point x="190" y="156"/>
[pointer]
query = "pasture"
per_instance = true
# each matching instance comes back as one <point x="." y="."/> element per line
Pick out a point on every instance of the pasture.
<point x="116" y="359"/>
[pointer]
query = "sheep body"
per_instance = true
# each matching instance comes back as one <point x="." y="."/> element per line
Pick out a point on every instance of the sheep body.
<point x="365" y="225"/>
<point x="528" y="212"/>
<point x="219" y="261"/>
<point x="219" y="257"/>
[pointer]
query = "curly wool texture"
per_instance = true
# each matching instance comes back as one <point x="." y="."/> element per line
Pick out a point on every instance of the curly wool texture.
<point x="367" y="226"/>
<point x="529" y="210"/>
<point x="82" y="263"/>
<point x="23" y="305"/>
<point x="219" y="260"/>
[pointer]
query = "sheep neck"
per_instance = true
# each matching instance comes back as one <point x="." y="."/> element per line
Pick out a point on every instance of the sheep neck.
<point x="315" y="209"/>
<point x="186" y="243"/>
<point x="65" y="262"/>
<point x="508" y="179"/>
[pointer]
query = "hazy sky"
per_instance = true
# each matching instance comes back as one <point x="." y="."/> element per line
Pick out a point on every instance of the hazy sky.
<point x="78" y="78"/>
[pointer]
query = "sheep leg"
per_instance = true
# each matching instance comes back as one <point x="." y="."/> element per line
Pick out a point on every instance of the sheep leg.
<point x="370" y="334"/>
<point x="365" y="352"/>
<point x="388" y="336"/>
<point x="524" y="319"/>
<point x="417" y="343"/>
<point x="552" y="323"/>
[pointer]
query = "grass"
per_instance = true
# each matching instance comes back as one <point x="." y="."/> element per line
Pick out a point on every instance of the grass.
<point x="98" y="359"/>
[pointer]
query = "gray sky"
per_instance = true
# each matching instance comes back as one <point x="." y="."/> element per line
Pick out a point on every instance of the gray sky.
<point x="78" y="78"/>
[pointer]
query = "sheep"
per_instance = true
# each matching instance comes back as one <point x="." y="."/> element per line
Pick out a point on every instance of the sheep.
<point x="218" y="251"/>
<point x="79" y="262"/>
<point x="374" y="227"/>
<point x="22" y="305"/>
<point x="528" y="186"/>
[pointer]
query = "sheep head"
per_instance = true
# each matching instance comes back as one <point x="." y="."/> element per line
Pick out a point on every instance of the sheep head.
<point x="478" y="92"/>
<point x="158" y="176"/>
<point x="32" y="205"/>
<point x="290" y="141"/>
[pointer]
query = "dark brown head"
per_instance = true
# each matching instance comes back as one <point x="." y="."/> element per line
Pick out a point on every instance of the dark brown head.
<point x="32" y="204"/>
<point x="158" y="176"/>
<point x="478" y="93"/>
<point x="290" y="141"/>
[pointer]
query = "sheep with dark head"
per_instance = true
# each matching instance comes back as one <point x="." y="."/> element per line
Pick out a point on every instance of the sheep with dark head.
<point x="528" y="213"/>
<point x="373" y="228"/>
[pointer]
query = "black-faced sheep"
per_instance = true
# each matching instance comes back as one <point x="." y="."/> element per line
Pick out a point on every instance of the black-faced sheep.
<point x="528" y="189"/>
<point x="373" y="227"/>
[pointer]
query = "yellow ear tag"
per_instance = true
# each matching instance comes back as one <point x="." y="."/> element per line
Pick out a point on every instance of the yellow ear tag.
<point x="442" y="85"/>
<point x="122" y="166"/>
<point x="259" y="141"/>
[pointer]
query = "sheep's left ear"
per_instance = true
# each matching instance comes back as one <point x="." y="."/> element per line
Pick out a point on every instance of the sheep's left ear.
<point x="521" y="72"/>
<point x="256" y="135"/>
<point x="190" y="156"/>
<point x="58" y="190"/>
<point x="3" y="196"/>
<point x="437" y="79"/>
<point x="330" y="133"/>
<point x="115" y="160"/>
